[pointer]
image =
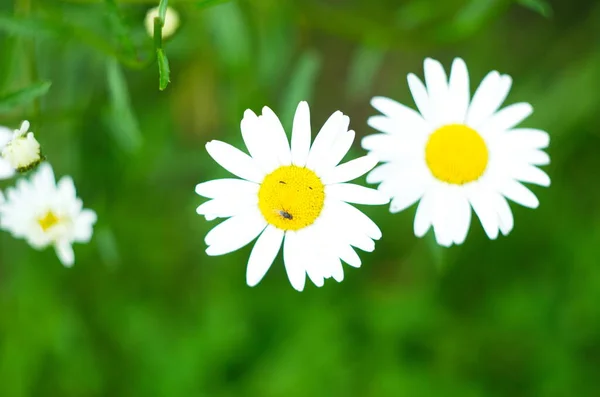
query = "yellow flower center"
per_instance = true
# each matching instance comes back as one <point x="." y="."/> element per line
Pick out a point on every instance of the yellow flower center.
<point x="456" y="154"/>
<point x="291" y="197"/>
<point x="47" y="221"/>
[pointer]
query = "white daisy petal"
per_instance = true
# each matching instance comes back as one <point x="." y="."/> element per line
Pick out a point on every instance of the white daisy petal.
<point x="235" y="161"/>
<point x="486" y="100"/>
<point x="461" y="213"/>
<point x="350" y="170"/>
<point x="6" y="169"/>
<point x="531" y="174"/>
<point x="424" y="215"/>
<point x="537" y="157"/>
<point x="279" y="143"/>
<point x="219" y="188"/>
<point x="505" y="216"/>
<point x="384" y="146"/>
<point x="458" y="90"/>
<point x="65" y="253"/>
<point x="348" y="255"/>
<point x="337" y="269"/>
<point x="384" y="124"/>
<point x="293" y="256"/>
<point x="409" y="119"/>
<point x="480" y="201"/>
<point x="442" y="217"/>
<point x="518" y="193"/>
<point x="508" y="117"/>
<point x="380" y="173"/>
<point x="263" y="254"/>
<point x="226" y="207"/>
<point x="257" y="140"/>
<point x="356" y="194"/>
<point x="341" y="146"/>
<point x="529" y="138"/>
<point x="44" y="180"/>
<point x="437" y="89"/>
<point x="315" y="273"/>
<point x="324" y="140"/>
<point x="6" y="134"/>
<point x="83" y="226"/>
<point x="351" y="215"/>
<point x="420" y="96"/>
<point x="361" y="241"/>
<point x="234" y="233"/>
<point x="409" y="190"/>
<point x="301" y="135"/>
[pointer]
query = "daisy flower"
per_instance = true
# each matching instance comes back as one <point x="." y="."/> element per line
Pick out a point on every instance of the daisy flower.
<point x="457" y="153"/>
<point x="47" y="213"/>
<point x="19" y="150"/>
<point x="295" y="195"/>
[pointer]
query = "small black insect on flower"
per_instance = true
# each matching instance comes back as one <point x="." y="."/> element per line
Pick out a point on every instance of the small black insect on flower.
<point x="286" y="214"/>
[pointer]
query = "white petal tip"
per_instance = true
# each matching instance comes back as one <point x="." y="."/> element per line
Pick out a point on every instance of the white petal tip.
<point x="210" y="251"/>
<point x="249" y="113"/>
<point x="251" y="282"/>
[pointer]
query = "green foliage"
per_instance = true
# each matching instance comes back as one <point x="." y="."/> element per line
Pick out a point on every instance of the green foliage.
<point x="23" y="96"/>
<point x="145" y="312"/>
<point x="164" y="72"/>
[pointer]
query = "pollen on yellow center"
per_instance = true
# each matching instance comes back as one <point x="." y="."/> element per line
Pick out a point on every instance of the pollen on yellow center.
<point x="291" y="197"/>
<point x="456" y="154"/>
<point x="47" y="221"/>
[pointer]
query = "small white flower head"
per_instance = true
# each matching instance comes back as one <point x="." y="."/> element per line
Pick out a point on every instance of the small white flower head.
<point x="19" y="151"/>
<point x="457" y="153"/>
<point x="47" y="213"/>
<point x="295" y="195"/>
<point x="171" y="22"/>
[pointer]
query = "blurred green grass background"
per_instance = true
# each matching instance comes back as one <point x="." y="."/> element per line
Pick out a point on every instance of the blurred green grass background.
<point x="145" y="312"/>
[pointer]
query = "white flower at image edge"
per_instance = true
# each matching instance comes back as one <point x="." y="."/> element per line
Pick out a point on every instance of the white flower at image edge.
<point x="457" y="153"/>
<point x="46" y="213"/>
<point x="295" y="195"/>
<point x="19" y="150"/>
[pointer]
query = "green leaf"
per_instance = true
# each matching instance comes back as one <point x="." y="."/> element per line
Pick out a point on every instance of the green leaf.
<point x="163" y="69"/>
<point x="120" y="28"/>
<point x="363" y="68"/>
<point x="23" y="96"/>
<point x="229" y="29"/>
<point x="302" y="83"/>
<point x="122" y="120"/>
<point x="162" y="10"/>
<point x="54" y="27"/>
<point x="539" y="6"/>
<point x="210" y="3"/>
<point x="7" y="66"/>
<point x="158" y="25"/>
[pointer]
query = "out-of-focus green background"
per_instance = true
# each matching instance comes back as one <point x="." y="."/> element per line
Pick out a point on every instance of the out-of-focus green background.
<point x="145" y="312"/>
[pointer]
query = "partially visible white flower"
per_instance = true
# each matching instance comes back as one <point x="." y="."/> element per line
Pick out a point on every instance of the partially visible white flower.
<point x="46" y="213"/>
<point x="19" y="150"/>
<point x="171" y="22"/>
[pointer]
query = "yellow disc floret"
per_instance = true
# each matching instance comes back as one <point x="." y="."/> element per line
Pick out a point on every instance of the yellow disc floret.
<point x="456" y="154"/>
<point x="48" y="221"/>
<point x="291" y="197"/>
